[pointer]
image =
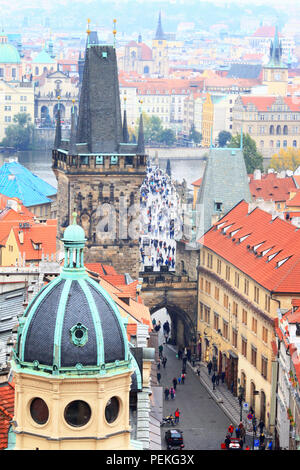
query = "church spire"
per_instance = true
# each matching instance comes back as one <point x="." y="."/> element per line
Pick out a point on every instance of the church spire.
<point x="141" y="140"/>
<point x="125" y="128"/>
<point x="159" y="31"/>
<point x="72" y="142"/>
<point x="57" y="140"/>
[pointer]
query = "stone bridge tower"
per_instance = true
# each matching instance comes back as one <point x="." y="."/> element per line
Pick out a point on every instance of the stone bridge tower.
<point x="98" y="172"/>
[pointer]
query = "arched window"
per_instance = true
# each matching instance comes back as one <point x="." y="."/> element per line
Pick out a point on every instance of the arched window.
<point x="285" y="143"/>
<point x="252" y="395"/>
<point x="146" y="69"/>
<point x="278" y="143"/>
<point x="272" y="130"/>
<point x="294" y="143"/>
<point x="285" y="130"/>
<point x="278" y="130"/>
<point x="263" y="406"/>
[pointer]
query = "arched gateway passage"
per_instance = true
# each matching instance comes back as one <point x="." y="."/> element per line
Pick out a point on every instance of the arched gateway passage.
<point x="179" y="296"/>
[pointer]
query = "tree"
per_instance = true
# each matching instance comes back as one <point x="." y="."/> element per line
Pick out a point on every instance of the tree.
<point x="167" y="137"/>
<point x="19" y="135"/>
<point x="286" y="159"/>
<point x="253" y="159"/>
<point x="194" y="135"/>
<point x="223" y="138"/>
<point x="154" y="131"/>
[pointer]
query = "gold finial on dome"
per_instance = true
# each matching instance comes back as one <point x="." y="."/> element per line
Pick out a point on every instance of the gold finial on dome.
<point x="88" y="26"/>
<point x="74" y="215"/>
<point x="114" y="32"/>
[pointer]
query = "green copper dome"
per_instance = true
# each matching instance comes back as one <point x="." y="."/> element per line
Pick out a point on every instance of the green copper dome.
<point x="72" y="326"/>
<point x="43" y="58"/>
<point x="9" y="54"/>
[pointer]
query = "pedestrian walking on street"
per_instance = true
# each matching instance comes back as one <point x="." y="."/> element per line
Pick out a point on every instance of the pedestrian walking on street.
<point x="160" y="350"/>
<point x="227" y="441"/>
<point x="261" y="426"/>
<point x="241" y="442"/>
<point x="209" y="367"/>
<point x="231" y="429"/>
<point x="217" y="379"/>
<point x="167" y="392"/>
<point x="179" y="380"/>
<point x="179" y="353"/>
<point x="237" y="432"/>
<point x="158" y="365"/>
<point x="182" y="378"/>
<point x="158" y="377"/>
<point x="223" y="377"/>
<point x="261" y="441"/>
<point x="243" y="431"/>
<point x="213" y="379"/>
<point x="177" y="414"/>
<point x="164" y="362"/>
<point x="172" y="393"/>
<point x="198" y="371"/>
<point x="174" y="383"/>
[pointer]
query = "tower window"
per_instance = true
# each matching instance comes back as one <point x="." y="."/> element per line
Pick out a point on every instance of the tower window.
<point x="39" y="411"/>
<point x="77" y="413"/>
<point x="112" y="409"/>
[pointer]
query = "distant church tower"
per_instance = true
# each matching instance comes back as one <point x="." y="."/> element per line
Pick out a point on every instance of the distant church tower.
<point x="160" y="51"/>
<point x="98" y="171"/>
<point x="72" y="365"/>
<point x="275" y="72"/>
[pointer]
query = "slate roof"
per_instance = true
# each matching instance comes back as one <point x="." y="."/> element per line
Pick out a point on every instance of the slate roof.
<point x="18" y="181"/>
<point x="250" y="71"/>
<point x="224" y="181"/>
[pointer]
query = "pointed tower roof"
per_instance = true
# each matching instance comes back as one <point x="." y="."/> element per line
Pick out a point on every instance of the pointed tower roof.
<point x="57" y="140"/>
<point x="125" y="129"/>
<point x="72" y="142"/>
<point x="141" y="140"/>
<point x="99" y="123"/>
<point x="275" y="59"/>
<point x="159" y="31"/>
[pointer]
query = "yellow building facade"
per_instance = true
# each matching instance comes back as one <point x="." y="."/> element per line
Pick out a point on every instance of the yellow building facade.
<point x="9" y="251"/>
<point x="15" y="98"/>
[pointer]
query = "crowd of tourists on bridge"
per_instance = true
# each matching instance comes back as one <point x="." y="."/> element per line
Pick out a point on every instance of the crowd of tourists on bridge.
<point x="160" y="221"/>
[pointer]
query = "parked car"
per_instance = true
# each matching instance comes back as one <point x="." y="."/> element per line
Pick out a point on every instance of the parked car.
<point x="174" y="439"/>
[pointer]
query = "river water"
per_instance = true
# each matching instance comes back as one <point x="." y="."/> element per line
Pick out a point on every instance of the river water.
<point x="39" y="163"/>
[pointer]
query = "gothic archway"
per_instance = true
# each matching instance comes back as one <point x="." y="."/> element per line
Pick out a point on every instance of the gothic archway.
<point x="182" y="329"/>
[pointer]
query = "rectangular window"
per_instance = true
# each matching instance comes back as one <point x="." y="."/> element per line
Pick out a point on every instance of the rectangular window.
<point x="234" y="337"/>
<point x="99" y="160"/>
<point x="244" y="347"/>
<point x="226" y="301"/>
<point x="264" y="334"/>
<point x="201" y="310"/>
<point x="203" y="258"/>
<point x="237" y="280"/>
<point x="206" y="314"/>
<point x="201" y="283"/>
<point x="207" y="287"/>
<point x="7" y="98"/>
<point x="256" y="294"/>
<point x="246" y="287"/>
<point x="209" y="260"/>
<point x="217" y="293"/>
<point x="225" y="329"/>
<point x="244" y="316"/>
<point x="254" y="325"/>
<point x="227" y="273"/>
<point x="267" y="302"/>
<point x="264" y="367"/>
<point x="216" y="321"/>
<point x="84" y="160"/>
<point x="219" y="266"/>
<point x="235" y="308"/>
<point x="253" y="355"/>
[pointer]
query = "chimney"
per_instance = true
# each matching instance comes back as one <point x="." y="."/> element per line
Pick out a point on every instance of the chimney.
<point x="257" y="175"/>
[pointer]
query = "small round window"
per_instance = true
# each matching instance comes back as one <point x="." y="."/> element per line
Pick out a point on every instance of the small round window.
<point x="39" y="411"/>
<point x="79" y="334"/>
<point x="112" y="410"/>
<point x="77" y="413"/>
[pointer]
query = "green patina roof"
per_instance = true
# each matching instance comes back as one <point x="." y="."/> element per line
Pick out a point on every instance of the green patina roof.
<point x="9" y="54"/>
<point x="43" y="58"/>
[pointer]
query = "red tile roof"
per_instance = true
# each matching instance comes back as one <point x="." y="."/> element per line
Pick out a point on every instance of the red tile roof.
<point x="271" y="188"/>
<point x="266" y="32"/>
<point x="270" y="254"/>
<point x="7" y="398"/>
<point x="295" y="200"/>
<point x="264" y="103"/>
<point x="43" y="235"/>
